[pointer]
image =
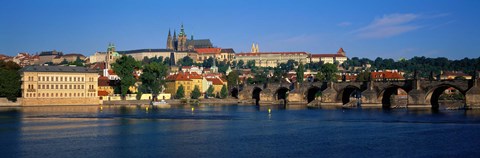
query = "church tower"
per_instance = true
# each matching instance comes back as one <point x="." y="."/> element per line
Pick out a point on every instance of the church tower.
<point x="109" y="57"/>
<point x="169" y="41"/>
<point x="182" y="40"/>
<point x="174" y="41"/>
<point x="255" y="48"/>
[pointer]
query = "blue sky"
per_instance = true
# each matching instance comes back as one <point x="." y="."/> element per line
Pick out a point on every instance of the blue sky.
<point x="388" y="29"/>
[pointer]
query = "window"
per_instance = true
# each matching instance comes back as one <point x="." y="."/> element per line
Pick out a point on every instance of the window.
<point x="43" y="86"/>
<point x="47" y="79"/>
<point x="74" y="86"/>
<point x="56" y="86"/>
<point x="61" y="78"/>
<point x="56" y="78"/>
<point x="75" y="79"/>
<point x="70" y="87"/>
<point x="61" y="86"/>
<point x="43" y="78"/>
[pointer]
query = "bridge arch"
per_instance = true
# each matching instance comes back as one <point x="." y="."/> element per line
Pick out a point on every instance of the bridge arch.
<point x="311" y="93"/>
<point x="256" y="94"/>
<point x="281" y="93"/>
<point x="434" y="94"/>
<point x="385" y="95"/>
<point x="346" y="93"/>
<point x="234" y="92"/>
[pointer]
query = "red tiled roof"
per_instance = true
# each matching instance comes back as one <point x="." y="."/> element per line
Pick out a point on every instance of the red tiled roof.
<point x="454" y="73"/>
<point x="386" y="75"/>
<point x="326" y="55"/>
<point x="103" y="81"/>
<point x="279" y="53"/>
<point x="215" y="81"/>
<point x="184" y="76"/>
<point x="208" y="50"/>
<point x="340" y="50"/>
<point x="111" y="72"/>
<point x="102" y="93"/>
<point x="99" y="65"/>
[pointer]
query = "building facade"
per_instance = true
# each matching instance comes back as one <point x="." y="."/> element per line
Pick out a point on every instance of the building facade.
<point x="339" y="57"/>
<point x="273" y="59"/>
<point x="59" y="85"/>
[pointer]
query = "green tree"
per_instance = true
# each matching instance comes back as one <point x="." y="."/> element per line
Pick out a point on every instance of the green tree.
<point x="240" y="64"/>
<point x="9" y="80"/>
<point x="167" y="61"/>
<point x="300" y="73"/>
<point x="139" y="95"/>
<point x="210" y="91"/>
<point x="363" y="76"/>
<point x="186" y="61"/>
<point x="153" y="78"/>
<point x="78" y="62"/>
<point x="124" y="67"/>
<point x="64" y="62"/>
<point x="180" y="92"/>
<point x="224" y="92"/>
<point x="251" y="64"/>
<point x="195" y="93"/>
<point x="208" y="62"/>
<point x="232" y="79"/>
<point x="329" y="71"/>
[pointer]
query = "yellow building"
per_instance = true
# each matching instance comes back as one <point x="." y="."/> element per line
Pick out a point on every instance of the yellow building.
<point x="219" y="54"/>
<point x="340" y="57"/>
<point x="59" y="85"/>
<point x="217" y="84"/>
<point x="273" y="59"/>
<point x="188" y="79"/>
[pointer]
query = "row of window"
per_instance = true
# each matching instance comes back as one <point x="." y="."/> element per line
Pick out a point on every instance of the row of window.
<point x="61" y="78"/>
<point x="51" y="95"/>
<point x="61" y="86"/>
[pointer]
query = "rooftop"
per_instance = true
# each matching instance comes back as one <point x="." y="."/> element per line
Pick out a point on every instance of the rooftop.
<point x="68" y="69"/>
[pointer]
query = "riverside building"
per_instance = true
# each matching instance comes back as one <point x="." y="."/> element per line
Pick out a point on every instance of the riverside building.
<point x="59" y="85"/>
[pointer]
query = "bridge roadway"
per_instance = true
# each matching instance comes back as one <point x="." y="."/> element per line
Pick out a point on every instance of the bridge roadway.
<point x="420" y="93"/>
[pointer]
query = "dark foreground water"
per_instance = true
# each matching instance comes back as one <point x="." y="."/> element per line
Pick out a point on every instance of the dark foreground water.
<point x="236" y="131"/>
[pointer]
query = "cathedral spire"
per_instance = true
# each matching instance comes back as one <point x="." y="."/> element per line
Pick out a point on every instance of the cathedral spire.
<point x="182" y="31"/>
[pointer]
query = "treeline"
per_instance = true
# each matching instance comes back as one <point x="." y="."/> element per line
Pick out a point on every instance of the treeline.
<point x="9" y="80"/>
<point x="423" y="65"/>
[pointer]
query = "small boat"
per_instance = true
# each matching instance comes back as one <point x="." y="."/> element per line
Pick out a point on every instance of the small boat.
<point x="161" y="104"/>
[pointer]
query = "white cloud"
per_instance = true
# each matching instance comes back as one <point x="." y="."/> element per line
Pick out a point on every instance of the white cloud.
<point x="388" y="26"/>
<point x="344" y="24"/>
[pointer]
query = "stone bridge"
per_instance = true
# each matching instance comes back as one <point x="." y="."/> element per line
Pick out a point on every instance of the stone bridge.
<point x="417" y="93"/>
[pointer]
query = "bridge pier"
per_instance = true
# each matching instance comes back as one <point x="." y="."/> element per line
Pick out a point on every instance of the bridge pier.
<point x="472" y="97"/>
<point x="416" y="97"/>
<point x="329" y="96"/>
<point x="370" y="97"/>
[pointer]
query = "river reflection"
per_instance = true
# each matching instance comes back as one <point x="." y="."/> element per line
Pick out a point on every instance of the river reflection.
<point x="236" y="131"/>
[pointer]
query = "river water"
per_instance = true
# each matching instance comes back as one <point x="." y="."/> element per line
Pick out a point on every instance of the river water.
<point x="236" y="131"/>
